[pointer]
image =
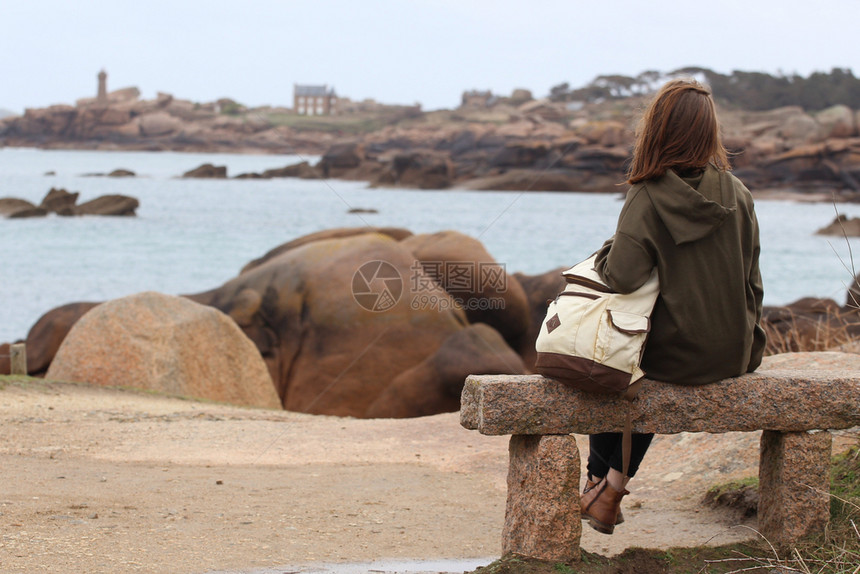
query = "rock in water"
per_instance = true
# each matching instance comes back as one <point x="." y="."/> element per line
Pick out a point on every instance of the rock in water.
<point x="60" y="201"/>
<point x="12" y="205"/>
<point x="109" y="205"/>
<point x="207" y="171"/>
<point x="35" y="212"/>
<point x="167" y="344"/>
<point x="842" y="226"/>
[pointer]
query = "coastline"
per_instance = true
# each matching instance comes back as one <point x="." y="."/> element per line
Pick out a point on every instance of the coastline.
<point x="493" y="144"/>
<point x="786" y="193"/>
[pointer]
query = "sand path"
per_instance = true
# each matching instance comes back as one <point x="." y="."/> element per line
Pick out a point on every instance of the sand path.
<point x="105" y="480"/>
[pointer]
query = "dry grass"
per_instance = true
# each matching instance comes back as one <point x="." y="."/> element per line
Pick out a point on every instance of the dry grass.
<point x="834" y="329"/>
<point x="837" y="551"/>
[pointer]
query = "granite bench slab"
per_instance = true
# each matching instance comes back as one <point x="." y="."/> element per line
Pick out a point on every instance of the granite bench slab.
<point x="794" y="398"/>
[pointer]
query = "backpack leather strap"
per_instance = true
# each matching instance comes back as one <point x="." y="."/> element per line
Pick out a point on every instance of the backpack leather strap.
<point x="627" y="437"/>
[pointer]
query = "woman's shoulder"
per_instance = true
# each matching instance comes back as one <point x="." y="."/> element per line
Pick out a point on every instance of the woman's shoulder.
<point x="742" y="193"/>
<point x="736" y="182"/>
<point x="638" y="192"/>
<point x="637" y="199"/>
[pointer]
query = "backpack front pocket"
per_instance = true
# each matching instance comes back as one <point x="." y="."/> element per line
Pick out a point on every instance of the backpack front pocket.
<point x="624" y="335"/>
<point x="629" y="323"/>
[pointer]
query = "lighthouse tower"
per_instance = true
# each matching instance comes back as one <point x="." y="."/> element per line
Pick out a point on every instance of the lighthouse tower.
<point x="102" y="94"/>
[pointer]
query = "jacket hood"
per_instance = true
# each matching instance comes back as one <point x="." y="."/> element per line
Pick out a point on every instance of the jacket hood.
<point x="691" y="214"/>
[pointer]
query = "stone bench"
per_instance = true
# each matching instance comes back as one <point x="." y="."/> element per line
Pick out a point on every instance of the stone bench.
<point x="795" y="399"/>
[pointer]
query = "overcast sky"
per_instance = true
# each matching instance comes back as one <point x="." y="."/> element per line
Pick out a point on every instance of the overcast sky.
<point x="425" y="51"/>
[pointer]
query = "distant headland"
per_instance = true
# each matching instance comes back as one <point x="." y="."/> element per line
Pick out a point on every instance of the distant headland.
<point x="796" y="134"/>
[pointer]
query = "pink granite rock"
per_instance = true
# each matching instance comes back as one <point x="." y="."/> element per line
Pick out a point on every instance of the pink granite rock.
<point x="794" y="479"/>
<point x="789" y="398"/>
<point x="793" y="392"/>
<point x="167" y="344"/>
<point x="159" y="124"/>
<point x="542" y="516"/>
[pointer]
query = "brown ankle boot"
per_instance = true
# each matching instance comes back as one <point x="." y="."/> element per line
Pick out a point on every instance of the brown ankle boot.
<point x="590" y="484"/>
<point x="600" y="506"/>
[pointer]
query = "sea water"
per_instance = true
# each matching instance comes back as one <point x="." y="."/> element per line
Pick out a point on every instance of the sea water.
<point x="191" y="235"/>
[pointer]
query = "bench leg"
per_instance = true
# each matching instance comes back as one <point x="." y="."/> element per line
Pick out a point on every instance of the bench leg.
<point x="794" y="485"/>
<point x="542" y="516"/>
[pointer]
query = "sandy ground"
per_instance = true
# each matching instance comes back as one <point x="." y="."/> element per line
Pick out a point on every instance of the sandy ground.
<point x="106" y="480"/>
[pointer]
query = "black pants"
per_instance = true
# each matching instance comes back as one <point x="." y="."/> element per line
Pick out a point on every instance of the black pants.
<point x="605" y="452"/>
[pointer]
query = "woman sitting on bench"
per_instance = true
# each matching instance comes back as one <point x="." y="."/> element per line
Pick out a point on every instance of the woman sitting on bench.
<point x="686" y="215"/>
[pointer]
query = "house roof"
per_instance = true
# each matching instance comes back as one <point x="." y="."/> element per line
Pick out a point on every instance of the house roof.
<point x="302" y="90"/>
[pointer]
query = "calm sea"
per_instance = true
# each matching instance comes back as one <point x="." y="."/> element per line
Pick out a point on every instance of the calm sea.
<point x="192" y="235"/>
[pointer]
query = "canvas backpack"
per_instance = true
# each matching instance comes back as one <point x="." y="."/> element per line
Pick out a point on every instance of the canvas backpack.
<point x="593" y="338"/>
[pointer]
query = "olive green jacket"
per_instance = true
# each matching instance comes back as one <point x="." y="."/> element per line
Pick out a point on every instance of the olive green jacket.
<point x="702" y="235"/>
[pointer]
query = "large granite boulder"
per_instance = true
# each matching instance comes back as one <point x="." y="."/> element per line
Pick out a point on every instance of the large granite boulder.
<point x="801" y="129"/>
<point x="114" y="117"/>
<point x="48" y="333"/>
<point x="338" y="325"/>
<point x="461" y="266"/>
<point x="419" y="169"/>
<point x="476" y="348"/>
<point x="341" y="158"/>
<point x="605" y="133"/>
<point x="167" y="344"/>
<point x="396" y="233"/>
<point x="187" y="110"/>
<point x="128" y="94"/>
<point x="837" y="122"/>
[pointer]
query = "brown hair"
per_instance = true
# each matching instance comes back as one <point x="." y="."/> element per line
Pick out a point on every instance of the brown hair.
<point x="679" y="131"/>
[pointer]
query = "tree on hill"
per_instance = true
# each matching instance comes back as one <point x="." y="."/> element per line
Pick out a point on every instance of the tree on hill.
<point x="748" y="90"/>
